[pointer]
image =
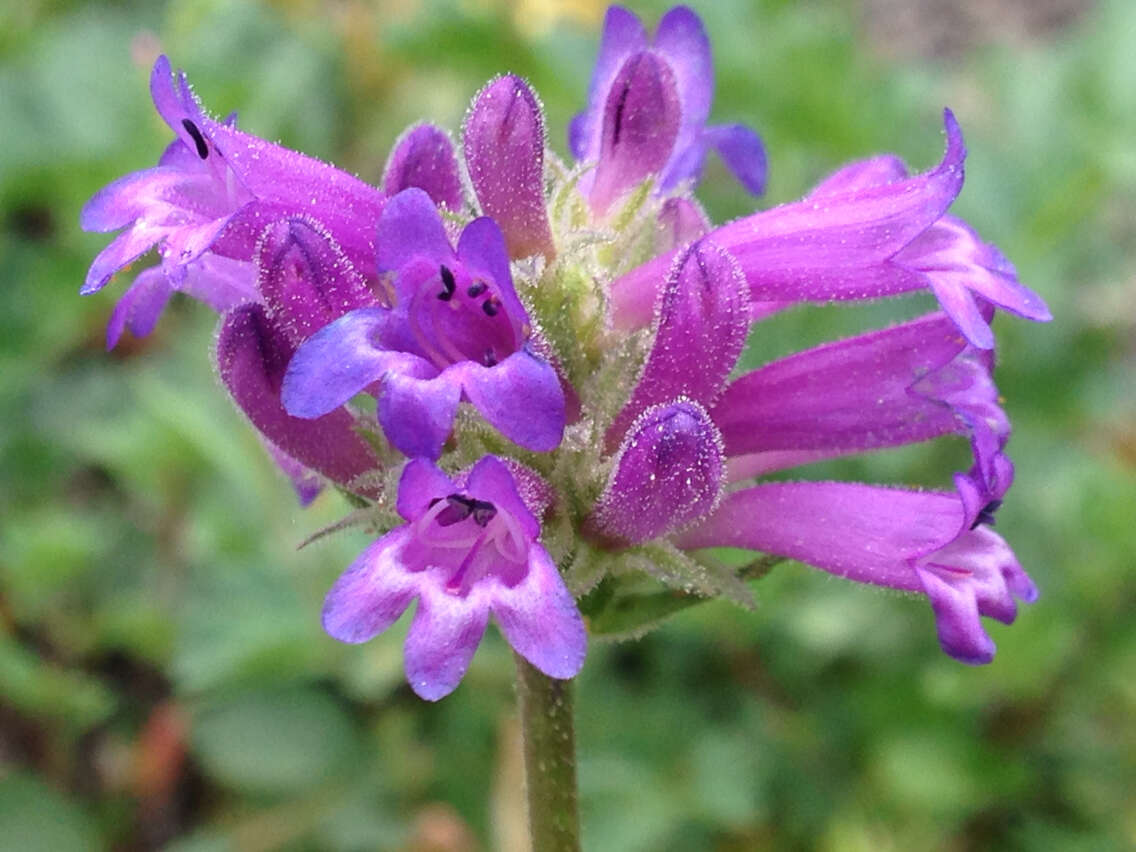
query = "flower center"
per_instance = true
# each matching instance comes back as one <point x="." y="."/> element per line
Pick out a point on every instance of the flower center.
<point x="457" y="317"/>
<point x="460" y="529"/>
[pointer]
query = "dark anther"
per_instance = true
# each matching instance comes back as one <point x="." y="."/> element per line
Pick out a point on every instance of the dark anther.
<point x="198" y="139"/>
<point x="986" y="514"/>
<point x="491" y="307"/>
<point x="477" y="288"/>
<point x="460" y="508"/>
<point x="435" y="502"/>
<point x="490" y="359"/>
<point x="483" y="512"/>
<point x="449" y="285"/>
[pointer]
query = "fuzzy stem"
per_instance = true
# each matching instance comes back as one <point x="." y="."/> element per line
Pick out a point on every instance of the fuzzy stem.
<point x="550" y="759"/>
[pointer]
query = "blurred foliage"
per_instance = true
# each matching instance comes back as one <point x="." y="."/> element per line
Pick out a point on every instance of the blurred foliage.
<point x="163" y="679"/>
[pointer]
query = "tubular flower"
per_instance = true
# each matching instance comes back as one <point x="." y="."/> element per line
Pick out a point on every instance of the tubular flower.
<point x="456" y="330"/>
<point x="554" y="380"/>
<point x="648" y="104"/>
<point x="205" y="204"/>
<point x="468" y="549"/>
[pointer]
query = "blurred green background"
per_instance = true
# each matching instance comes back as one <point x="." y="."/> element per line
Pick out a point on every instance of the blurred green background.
<point x="164" y="683"/>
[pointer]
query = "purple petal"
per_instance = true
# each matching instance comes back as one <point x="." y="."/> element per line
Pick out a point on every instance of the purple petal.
<point x="703" y="319"/>
<point x="667" y="473"/>
<point x="423" y="157"/>
<point x="504" y="149"/>
<point x="417" y="414"/>
<point x="493" y="479"/>
<point x="411" y="227"/>
<point x="220" y="282"/>
<point x="122" y="201"/>
<point x="681" y="222"/>
<point x="539" y="618"/>
<point x="682" y="41"/>
<point x="306" y="483"/>
<point x="252" y="355"/>
<point x="421" y="482"/>
<point x="139" y="307"/>
<point x="623" y="35"/>
<point x="743" y="152"/>
<point x="481" y="247"/>
<point x="863" y="174"/>
<point x="372" y="593"/>
<point x="341" y="360"/>
<point x="959" y="304"/>
<point x="847" y="396"/>
<point x="175" y="104"/>
<point x="521" y="397"/>
<point x="304" y="278"/>
<point x="640" y="123"/>
<point x="123" y="250"/>
<point x="443" y="637"/>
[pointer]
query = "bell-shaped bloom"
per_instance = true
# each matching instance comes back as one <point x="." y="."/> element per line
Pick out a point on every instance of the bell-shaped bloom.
<point x="253" y="352"/>
<point x="667" y="473"/>
<point x="212" y="192"/>
<point x="866" y="234"/>
<point x="423" y="157"/>
<point x="456" y="331"/>
<point x="648" y="104"/>
<point x="504" y="143"/>
<point x="469" y="549"/>
<point x="935" y="543"/>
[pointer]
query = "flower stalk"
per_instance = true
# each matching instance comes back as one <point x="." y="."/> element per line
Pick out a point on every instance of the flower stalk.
<point x="548" y="729"/>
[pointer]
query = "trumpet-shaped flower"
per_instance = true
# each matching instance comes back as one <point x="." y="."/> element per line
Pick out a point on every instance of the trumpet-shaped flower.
<point x="469" y="549"/>
<point x="456" y="330"/>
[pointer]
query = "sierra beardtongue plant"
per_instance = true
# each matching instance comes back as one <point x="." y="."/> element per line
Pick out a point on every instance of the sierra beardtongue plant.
<point x="523" y="370"/>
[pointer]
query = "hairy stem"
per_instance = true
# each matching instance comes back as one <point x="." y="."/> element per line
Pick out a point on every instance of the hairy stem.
<point x="550" y="759"/>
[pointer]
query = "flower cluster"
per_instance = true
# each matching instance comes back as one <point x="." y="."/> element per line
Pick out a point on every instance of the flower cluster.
<point x="523" y="369"/>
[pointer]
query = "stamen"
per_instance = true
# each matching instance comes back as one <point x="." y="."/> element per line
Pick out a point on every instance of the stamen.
<point x="198" y="139"/>
<point x="491" y="306"/>
<point x="458" y="510"/>
<point x="476" y="289"/>
<point x="449" y="285"/>
<point x="490" y="358"/>
<point x="986" y="514"/>
<point x="483" y="512"/>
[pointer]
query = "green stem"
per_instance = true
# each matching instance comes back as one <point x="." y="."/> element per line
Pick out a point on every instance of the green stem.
<point x="550" y="759"/>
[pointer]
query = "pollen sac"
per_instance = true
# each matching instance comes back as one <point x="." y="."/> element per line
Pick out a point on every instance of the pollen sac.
<point x="668" y="472"/>
<point x="424" y="158"/>
<point x="640" y="125"/>
<point x="504" y="148"/>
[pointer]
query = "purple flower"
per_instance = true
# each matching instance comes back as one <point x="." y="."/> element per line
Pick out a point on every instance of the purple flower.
<point x="456" y="331"/>
<point x="468" y="549"/>
<point x="210" y="196"/>
<point x="868" y="231"/>
<point x="423" y="157"/>
<point x="504" y="149"/>
<point x="648" y="104"/>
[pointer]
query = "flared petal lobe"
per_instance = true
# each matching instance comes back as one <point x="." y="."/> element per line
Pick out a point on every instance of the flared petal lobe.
<point x="468" y="550"/>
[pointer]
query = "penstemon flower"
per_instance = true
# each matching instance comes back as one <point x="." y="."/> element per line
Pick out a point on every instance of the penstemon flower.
<point x="558" y="435"/>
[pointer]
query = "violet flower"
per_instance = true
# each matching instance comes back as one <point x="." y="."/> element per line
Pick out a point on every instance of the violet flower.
<point x="423" y="157"/>
<point x="648" y="104"/>
<point x="205" y="204"/>
<point x="456" y="331"/>
<point x="865" y="233"/>
<point x="469" y="548"/>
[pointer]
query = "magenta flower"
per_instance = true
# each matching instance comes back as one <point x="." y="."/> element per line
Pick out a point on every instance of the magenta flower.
<point x="648" y="104"/>
<point x="865" y="233"/>
<point x="205" y="204"/>
<point x="456" y="331"/>
<point x="469" y="548"/>
<point x="424" y="157"/>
